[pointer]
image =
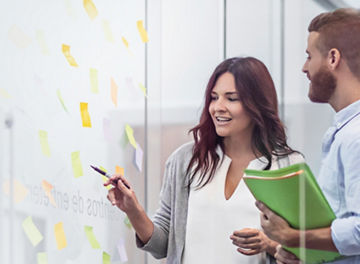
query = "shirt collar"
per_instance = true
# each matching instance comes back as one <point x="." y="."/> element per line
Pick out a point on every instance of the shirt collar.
<point x="345" y="115"/>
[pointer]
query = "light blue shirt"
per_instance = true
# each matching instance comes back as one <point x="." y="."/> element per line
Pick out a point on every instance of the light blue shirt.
<point x="339" y="178"/>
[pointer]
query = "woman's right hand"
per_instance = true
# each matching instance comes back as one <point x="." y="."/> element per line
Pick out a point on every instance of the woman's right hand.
<point x="285" y="257"/>
<point x="122" y="195"/>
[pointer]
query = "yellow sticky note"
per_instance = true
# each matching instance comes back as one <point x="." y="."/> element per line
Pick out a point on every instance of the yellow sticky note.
<point x="47" y="189"/>
<point x="106" y="258"/>
<point x="66" y="52"/>
<point x="126" y="43"/>
<point x="42" y="43"/>
<point x="90" y="9"/>
<point x="107" y="31"/>
<point x="91" y="237"/>
<point x="60" y="236"/>
<point x="44" y="143"/>
<point x="142" y="31"/>
<point x="20" y="191"/>
<point x="42" y="258"/>
<point x="18" y="37"/>
<point x="130" y="135"/>
<point x="105" y="179"/>
<point x="4" y="94"/>
<point x="119" y="170"/>
<point x="61" y="99"/>
<point x="143" y="89"/>
<point x="114" y="91"/>
<point x="85" y="117"/>
<point x="94" y="83"/>
<point x="76" y="164"/>
<point x="31" y="231"/>
<point x="69" y="9"/>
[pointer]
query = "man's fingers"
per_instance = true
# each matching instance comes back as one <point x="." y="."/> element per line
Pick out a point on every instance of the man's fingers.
<point x="246" y="232"/>
<point x="248" y="252"/>
<point x="284" y="256"/>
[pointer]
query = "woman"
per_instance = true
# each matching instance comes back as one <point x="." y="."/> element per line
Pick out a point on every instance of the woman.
<point x="205" y="207"/>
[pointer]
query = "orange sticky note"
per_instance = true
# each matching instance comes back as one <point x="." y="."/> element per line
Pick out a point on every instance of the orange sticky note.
<point x="47" y="189"/>
<point x="114" y="91"/>
<point x="142" y="31"/>
<point x="90" y="9"/>
<point x="20" y="191"/>
<point x="85" y="117"/>
<point x="66" y="52"/>
<point x="119" y="170"/>
<point x="60" y="236"/>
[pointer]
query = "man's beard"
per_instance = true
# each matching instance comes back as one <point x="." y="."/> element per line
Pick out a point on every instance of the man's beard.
<point x="322" y="86"/>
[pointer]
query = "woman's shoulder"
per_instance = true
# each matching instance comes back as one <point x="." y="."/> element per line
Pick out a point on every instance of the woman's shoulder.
<point x="289" y="159"/>
<point x="182" y="153"/>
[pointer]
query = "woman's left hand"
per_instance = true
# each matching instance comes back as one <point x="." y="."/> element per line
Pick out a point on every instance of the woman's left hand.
<point x="252" y="241"/>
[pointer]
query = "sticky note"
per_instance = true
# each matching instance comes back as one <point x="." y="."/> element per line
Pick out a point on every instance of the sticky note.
<point x="42" y="43"/>
<point x="114" y="91"/>
<point x="126" y="43"/>
<point x="31" y="231"/>
<point x="4" y="94"/>
<point x="18" y="37"/>
<point x="91" y="237"/>
<point x="69" y="9"/>
<point x="19" y="193"/>
<point x="105" y="179"/>
<point x="142" y="31"/>
<point x="107" y="129"/>
<point x="47" y="187"/>
<point x="124" y="140"/>
<point x="45" y="149"/>
<point x="119" y="170"/>
<point x="85" y="117"/>
<point x="60" y="236"/>
<point x="61" y="100"/>
<point x="107" y="31"/>
<point x="69" y="58"/>
<point x="94" y="83"/>
<point x="90" y="9"/>
<point x="121" y="250"/>
<point x="127" y="222"/>
<point x="106" y="258"/>
<point x="42" y="258"/>
<point x="138" y="157"/>
<point x="76" y="164"/>
<point x="130" y="135"/>
<point x="143" y="89"/>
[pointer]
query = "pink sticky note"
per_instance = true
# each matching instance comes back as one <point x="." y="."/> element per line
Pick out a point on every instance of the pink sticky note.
<point x="138" y="157"/>
<point x="121" y="250"/>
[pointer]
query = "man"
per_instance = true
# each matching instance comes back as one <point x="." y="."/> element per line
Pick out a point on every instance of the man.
<point x="333" y="68"/>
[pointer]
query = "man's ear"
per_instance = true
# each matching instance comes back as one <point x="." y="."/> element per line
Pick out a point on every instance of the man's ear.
<point x="333" y="58"/>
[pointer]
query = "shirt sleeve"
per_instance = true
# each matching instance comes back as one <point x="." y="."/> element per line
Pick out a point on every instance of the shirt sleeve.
<point x="158" y="243"/>
<point x="345" y="230"/>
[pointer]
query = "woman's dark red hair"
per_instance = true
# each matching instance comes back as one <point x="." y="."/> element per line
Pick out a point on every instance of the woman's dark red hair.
<point x="258" y="96"/>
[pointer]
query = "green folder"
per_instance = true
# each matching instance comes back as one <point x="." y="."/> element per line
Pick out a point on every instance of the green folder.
<point x="280" y="191"/>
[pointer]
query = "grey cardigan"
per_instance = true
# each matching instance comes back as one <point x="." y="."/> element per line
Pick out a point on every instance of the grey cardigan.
<point x="168" y="238"/>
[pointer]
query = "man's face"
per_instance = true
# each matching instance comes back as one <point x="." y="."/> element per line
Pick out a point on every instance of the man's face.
<point x="322" y="81"/>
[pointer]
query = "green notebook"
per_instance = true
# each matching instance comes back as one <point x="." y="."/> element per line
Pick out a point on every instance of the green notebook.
<point x="279" y="190"/>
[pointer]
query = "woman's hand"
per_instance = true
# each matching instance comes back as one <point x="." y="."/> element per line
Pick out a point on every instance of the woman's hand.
<point x="122" y="195"/>
<point x="252" y="241"/>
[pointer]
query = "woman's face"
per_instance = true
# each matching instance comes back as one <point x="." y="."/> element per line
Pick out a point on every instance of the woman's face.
<point x="227" y="112"/>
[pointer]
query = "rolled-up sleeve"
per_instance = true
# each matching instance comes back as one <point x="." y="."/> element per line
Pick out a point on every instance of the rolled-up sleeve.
<point x="345" y="233"/>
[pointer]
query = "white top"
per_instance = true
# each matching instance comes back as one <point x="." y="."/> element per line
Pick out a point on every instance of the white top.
<point x="212" y="219"/>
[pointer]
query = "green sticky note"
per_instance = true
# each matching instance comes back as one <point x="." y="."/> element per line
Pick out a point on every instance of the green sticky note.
<point x="61" y="100"/>
<point x="45" y="149"/>
<point x="127" y="222"/>
<point x="42" y="258"/>
<point x="31" y="231"/>
<point x="130" y="135"/>
<point x="106" y="258"/>
<point x="94" y="83"/>
<point x="91" y="237"/>
<point x="76" y="164"/>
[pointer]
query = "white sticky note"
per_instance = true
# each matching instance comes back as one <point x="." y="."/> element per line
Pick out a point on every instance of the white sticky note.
<point x="138" y="157"/>
<point x="121" y="250"/>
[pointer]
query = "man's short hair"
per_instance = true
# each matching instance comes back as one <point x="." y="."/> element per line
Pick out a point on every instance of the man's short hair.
<point x="340" y="29"/>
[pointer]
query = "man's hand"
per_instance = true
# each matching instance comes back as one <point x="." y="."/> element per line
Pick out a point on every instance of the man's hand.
<point x="276" y="228"/>
<point x="285" y="257"/>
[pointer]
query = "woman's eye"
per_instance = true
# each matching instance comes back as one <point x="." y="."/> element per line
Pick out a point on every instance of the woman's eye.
<point x="213" y="98"/>
<point x="232" y="99"/>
